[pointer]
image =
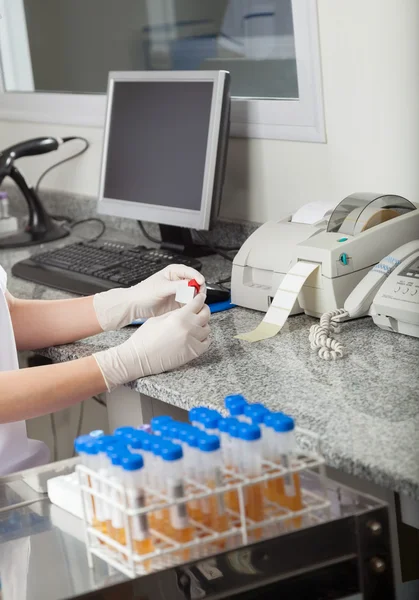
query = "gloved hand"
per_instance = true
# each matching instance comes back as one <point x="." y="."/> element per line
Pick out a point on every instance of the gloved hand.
<point x="161" y="344"/>
<point x="152" y="297"/>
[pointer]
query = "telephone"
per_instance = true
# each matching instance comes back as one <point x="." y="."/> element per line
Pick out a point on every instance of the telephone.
<point x="389" y="293"/>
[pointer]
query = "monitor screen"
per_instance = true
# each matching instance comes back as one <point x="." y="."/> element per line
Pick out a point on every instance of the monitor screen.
<point x="158" y="142"/>
<point x="162" y="159"/>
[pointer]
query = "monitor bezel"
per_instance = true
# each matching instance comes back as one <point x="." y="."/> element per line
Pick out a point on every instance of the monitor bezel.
<point x="196" y="219"/>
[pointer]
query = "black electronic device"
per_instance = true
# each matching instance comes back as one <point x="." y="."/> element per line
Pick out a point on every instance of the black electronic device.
<point x="87" y="268"/>
<point x="40" y="227"/>
<point x="217" y="293"/>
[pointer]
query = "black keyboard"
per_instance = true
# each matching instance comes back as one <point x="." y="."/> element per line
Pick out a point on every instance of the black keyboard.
<point x="87" y="268"/>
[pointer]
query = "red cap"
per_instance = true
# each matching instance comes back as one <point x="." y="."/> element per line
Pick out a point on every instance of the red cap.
<point x="195" y="284"/>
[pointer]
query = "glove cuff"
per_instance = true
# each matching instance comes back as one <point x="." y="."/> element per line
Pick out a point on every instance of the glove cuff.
<point x="113" y="310"/>
<point x="119" y="365"/>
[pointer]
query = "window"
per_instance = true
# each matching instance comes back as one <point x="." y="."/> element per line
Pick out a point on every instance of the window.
<point x="56" y="55"/>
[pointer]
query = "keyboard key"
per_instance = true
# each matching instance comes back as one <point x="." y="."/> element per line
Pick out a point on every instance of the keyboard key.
<point x="107" y="264"/>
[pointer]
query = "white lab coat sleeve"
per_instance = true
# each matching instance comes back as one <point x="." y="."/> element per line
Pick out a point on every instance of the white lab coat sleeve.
<point x="13" y="437"/>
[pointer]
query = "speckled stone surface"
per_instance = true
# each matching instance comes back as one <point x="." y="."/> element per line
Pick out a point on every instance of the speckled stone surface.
<point x="365" y="407"/>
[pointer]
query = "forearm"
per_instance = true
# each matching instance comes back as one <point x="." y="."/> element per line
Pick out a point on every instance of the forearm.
<point x="41" y="323"/>
<point x="29" y="393"/>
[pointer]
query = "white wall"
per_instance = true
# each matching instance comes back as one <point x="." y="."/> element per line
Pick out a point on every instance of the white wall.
<point x="370" y="61"/>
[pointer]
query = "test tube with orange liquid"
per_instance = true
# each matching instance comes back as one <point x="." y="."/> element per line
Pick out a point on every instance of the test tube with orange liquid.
<point x="251" y="465"/>
<point x="93" y="450"/>
<point x="273" y="488"/>
<point x="289" y="486"/>
<point x="115" y="525"/>
<point x="235" y="457"/>
<point x="189" y="440"/>
<point x="159" y="518"/>
<point x="180" y="528"/>
<point x="107" y="444"/>
<point x="86" y="448"/>
<point x="223" y="431"/>
<point x="215" y="516"/>
<point x="132" y="466"/>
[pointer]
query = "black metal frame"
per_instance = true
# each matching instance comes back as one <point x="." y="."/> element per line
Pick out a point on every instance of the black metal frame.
<point x="326" y="562"/>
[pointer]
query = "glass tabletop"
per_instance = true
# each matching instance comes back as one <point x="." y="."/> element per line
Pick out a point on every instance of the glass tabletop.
<point x="43" y="555"/>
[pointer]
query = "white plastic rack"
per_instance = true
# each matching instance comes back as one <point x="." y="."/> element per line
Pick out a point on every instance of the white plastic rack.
<point x="276" y="519"/>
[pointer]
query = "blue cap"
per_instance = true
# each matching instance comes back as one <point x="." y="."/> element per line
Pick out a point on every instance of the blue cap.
<point x="210" y="421"/>
<point x="249" y="433"/>
<point x="173" y="433"/>
<point x="132" y="462"/>
<point x="184" y="429"/>
<point x="225" y="423"/>
<point x="115" y="456"/>
<point x="97" y="433"/>
<point x="235" y="399"/>
<point x="198" y="413"/>
<point x="148" y="441"/>
<point x="116" y="446"/>
<point x="256" y="412"/>
<point x="208" y="443"/>
<point x="157" y="446"/>
<point x="124" y="431"/>
<point x="157" y="422"/>
<point x="235" y="405"/>
<point x="136" y="440"/>
<point x="284" y="424"/>
<point x="171" y="452"/>
<point x="106" y="440"/>
<point x="164" y="429"/>
<point x="91" y="447"/>
<point x="80" y="441"/>
<point x="192" y="439"/>
<point x="271" y="417"/>
<point x="233" y="429"/>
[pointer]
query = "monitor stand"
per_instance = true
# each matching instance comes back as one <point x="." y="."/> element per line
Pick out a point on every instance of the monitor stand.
<point x="179" y="240"/>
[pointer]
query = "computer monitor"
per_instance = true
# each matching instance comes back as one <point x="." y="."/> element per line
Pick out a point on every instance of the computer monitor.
<point x="164" y="150"/>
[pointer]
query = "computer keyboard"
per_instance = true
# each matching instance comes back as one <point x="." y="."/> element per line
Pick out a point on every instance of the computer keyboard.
<point x="87" y="268"/>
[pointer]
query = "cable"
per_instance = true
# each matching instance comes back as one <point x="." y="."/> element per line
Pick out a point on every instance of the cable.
<point x="149" y="237"/>
<point x="320" y="335"/>
<point x="64" y="160"/>
<point x="54" y="437"/>
<point x="222" y="281"/>
<point x="57" y="164"/>
<point x="99" y="401"/>
<point x="90" y="220"/>
<point x="213" y="248"/>
<point x="80" y="423"/>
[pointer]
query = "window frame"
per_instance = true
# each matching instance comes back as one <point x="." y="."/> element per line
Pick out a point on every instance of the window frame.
<point x="299" y="119"/>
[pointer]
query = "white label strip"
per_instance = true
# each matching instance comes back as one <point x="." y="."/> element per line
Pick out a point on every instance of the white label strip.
<point x="282" y="304"/>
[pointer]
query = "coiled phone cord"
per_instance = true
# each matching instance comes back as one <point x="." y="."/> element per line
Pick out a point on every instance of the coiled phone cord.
<point x="321" y="339"/>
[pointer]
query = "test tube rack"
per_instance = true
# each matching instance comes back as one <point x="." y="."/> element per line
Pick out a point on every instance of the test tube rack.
<point x="277" y="520"/>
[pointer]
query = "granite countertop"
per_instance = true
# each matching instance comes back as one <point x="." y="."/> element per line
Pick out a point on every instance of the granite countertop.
<point x="365" y="407"/>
